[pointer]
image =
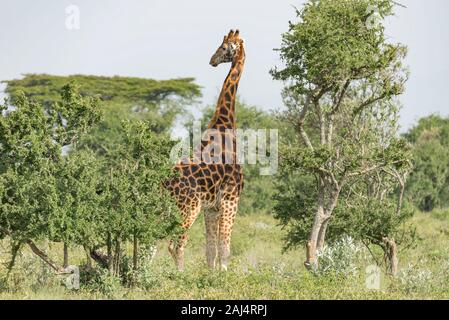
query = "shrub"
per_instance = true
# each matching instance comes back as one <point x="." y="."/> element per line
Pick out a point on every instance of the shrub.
<point x="340" y="257"/>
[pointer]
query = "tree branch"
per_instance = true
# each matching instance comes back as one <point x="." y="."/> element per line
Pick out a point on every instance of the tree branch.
<point x="335" y="108"/>
<point x="99" y="257"/>
<point x="322" y="124"/>
<point x="337" y="102"/>
<point x="46" y="258"/>
<point x="41" y="254"/>
<point x="369" y="102"/>
<point x="300" y="124"/>
<point x="401" y="181"/>
<point x="331" y="176"/>
<point x="371" y="253"/>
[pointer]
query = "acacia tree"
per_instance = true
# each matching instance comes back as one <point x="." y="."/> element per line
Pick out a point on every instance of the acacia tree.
<point x="106" y="200"/>
<point x="374" y="213"/>
<point x="31" y="139"/>
<point x="123" y="98"/>
<point x="135" y="207"/>
<point x="90" y="198"/>
<point x="341" y="79"/>
<point x="106" y="190"/>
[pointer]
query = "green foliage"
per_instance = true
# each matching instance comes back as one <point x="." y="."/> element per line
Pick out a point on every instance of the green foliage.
<point x="31" y="142"/>
<point x="78" y="216"/>
<point x="135" y="204"/>
<point x="45" y="88"/>
<point x="370" y="220"/>
<point x="364" y="216"/>
<point x="104" y="283"/>
<point x="124" y="98"/>
<point x="428" y="186"/>
<point x="335" y="41"/>
<point x="87" y="196"/>
<point x="294" y="204"/>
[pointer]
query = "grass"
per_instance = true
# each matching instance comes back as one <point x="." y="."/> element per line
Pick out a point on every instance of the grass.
<point x="258" y="270"/>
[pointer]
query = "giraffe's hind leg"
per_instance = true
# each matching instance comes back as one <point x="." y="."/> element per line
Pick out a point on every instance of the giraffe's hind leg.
<point x="189" y="212"/>
<point x="228" y="212"/>
<point x="211" y="219"/>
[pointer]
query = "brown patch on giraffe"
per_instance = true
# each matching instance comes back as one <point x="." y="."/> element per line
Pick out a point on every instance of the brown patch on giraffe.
<point x="224" y="111"/>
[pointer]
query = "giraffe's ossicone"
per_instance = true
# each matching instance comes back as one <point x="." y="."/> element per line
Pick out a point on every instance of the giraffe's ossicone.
<point x="213" y="181"/>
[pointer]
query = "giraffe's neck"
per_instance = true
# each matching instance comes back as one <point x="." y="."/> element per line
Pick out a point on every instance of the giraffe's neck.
<point x="224" y="116"/>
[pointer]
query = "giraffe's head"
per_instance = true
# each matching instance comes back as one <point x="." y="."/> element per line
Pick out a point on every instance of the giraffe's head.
<point x="228" y="50"/>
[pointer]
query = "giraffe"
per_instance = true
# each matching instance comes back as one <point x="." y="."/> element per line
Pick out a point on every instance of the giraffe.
<point x="208" y="185"/>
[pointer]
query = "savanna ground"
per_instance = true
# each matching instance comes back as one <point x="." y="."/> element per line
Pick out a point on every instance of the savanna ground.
<point x="258" y="270"/>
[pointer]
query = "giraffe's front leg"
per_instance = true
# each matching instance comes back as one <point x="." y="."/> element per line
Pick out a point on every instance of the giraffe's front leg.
<point x="211" y="219"/>
<point x="226" y="222"/>
<point x="176" y="248"/>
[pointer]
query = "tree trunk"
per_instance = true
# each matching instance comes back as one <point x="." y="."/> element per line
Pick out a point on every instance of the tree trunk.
<point x="320" y="223"/>
<point x="88" y="258"/>
<point x="100" y="258"/>
<point x="66" y="256"/>
<point x="135" y="253"/>
<point x="311" y="262"/>
<point x="322" y="234"/>
<point x="110" y="256"/>
<point x="46" y="258"/>
<point x="117" y="258"/>
<point x="391" y="255"/>
<point x="14" y="251"/>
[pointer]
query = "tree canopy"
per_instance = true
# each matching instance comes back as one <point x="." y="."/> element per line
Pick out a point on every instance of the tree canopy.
<point x="44" y="88"/>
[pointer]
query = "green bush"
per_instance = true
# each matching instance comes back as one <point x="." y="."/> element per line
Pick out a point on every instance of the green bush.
<point x="428" y="186"/>
<point x="91" y="196"/>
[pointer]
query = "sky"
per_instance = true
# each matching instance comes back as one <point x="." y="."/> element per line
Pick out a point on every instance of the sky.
<point x="164" y="39"/>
